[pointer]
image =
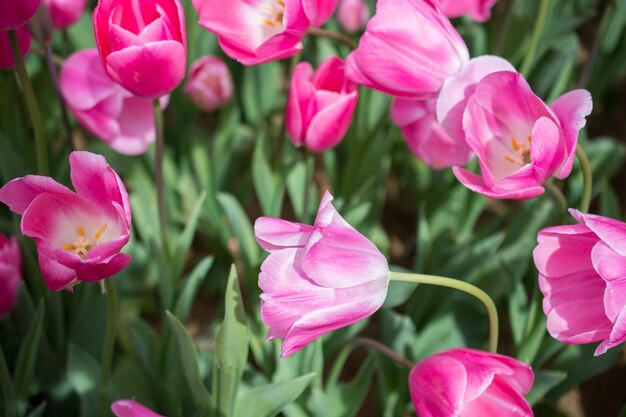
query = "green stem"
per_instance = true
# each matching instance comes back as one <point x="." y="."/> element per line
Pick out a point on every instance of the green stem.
<point x="158" y="173"/>
<point x="461" y="286"/>
<point x="309" y="165"/>
<point x="529" y="60"/>
<point x="31" y="102"/>
<point x="559" y="199"/>
<point x="109" y="344"/>
<point x="335" y="36"/>
<point x="587" y="178"/>
<point x="385" y="350"/>
<point x="54" y="77"/>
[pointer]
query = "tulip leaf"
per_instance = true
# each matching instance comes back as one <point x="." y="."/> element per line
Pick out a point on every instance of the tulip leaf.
<point x="260" y="90"/>
<point x="267" y="184"/>
<point x="268" y="400"/>
<point x="9" y="402"/>
<point x="190" y="287"/>
<point x="183" y="243"/>
<point x="83" y="372"/>
<point x="27" y="357"/>
<point x="38" y="411"/>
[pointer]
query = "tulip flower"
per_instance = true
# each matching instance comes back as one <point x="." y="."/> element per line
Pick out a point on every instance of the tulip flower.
<point x="317" y="278"/>
<point x="479" y="10"/>
<point x="143" y="45"/>
<point x="353" y="15"/>
<point x="111" y="113"/>
<point x="582" y="275"/>
<point x="23" y="40"/>
<point x="520" y="141"/>
<point x="79" y="234"/>
<point x="10" y="273"/>
<point x="408" y="49"/>
<point x="425" y="136"/>
<point x="470" y="383"/>
<point x="128" y="408"/>
<point x="15" y="13"/>
<point x="209" y="83"/>
<point x="65" y="13"/>
<point x="320" y="105"/>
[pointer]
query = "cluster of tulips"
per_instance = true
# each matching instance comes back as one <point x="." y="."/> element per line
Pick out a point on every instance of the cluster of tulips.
<point x="451" y="109"/>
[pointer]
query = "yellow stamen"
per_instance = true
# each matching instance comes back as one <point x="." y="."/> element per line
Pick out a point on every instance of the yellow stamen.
<point x="81" y="231"/>
<point x="268" y="22"/>
<point x="511" y="160"/>
<point x="100" y="231"/>
<point x="516" y="145"/>
<point x="280" y="3"/>
<point x="68" y="247"/>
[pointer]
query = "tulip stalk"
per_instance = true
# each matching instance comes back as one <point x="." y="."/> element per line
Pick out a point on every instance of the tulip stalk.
<point x="158" y="173"/>
<point x="337" y="37"/>
<point x="109" y="344"/>
<point x="587" y="179"/>
<point x="529" y="60"/>
<point x="385" y="350"/>
<point x="461" y="286"/>
<point x="31" y="102"/>
<point x="559" y="199"/>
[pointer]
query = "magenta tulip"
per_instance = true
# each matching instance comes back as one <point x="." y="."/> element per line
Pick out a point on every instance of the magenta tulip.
<point x="353" y="15"/>
<point x="15" y="13"/>
<point x="320" y="105"/>
<point x="408" y="49"/>
<point x="317" y="278"/>
<point x="471" y="383"/>
<point x="111" y="113"/>
<point x="425" y="136"/>
<point x="79" y="234"/>
<point x="23" y="40"/>
<point x="143" y="45"/>
<point x="10" y="273"/>
<point x="479" y="10"/>
<point x="128" y="408"/>
<point x="65" y="13"/>
<point x="582" y="275"/>
<point x="520" y="141"/>
<point x="209" y="84"/>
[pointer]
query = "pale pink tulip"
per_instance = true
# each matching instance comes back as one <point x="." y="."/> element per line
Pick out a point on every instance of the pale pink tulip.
<point x="520" y="141"/>
<point x="425" y="137"/>
<point x="79" y="234"/>
<point x="143" y="45"/>
<point x="209" y="83"/>
<point x="317" y="278"/>
<point x="353" y="15"/>
<point x="582" y="275"/>
<point x="23" y="40"/>
<point x="318" y="11"/>
<point x="479" y="10"/>
<point x="15" y="13"/>
<point x="320" y="105"/>
<point x="471" y="383"/>
<point x="128" y="408"/>
<point x="111" y="113"/>
<point x="10" y="273"/>
<point x="408" y="49"/>
<point x="65" y="13"/>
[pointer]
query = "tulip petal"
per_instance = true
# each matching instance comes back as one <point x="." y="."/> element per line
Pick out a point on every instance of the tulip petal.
<point x="55" y="275"/>
<point x="273" y="234"/>
<point x="20" y="192"/>
<point x="330" y="124"/>
<point x="128" y="408"/>
<point x="611" y="232"/>
<point x="611" y="266"/>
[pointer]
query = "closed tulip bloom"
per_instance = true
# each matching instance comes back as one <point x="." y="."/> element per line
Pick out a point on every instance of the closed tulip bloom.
<point x="10" y="273"/>
<point x="15" y="13"/>
<point x="209" y="83"/>
<point x="128" y="408"/>
<point x="408" y="49"/>
<point x="65" y="13"/>
<point x="582" y="275"/>
<point x="479" y="10"/>
<point x="470" y="383"/>
<point x="23" y="40"/>
<point x="520" y="141"/>
<point x="320" y="105"/>
<point x="79" y="234"/>
<point x="317" y="278"/>
<point x="143" y="45"/>
<point x="111" y="113"/>
<point x="425" y="136"/>
<point x="353" y="15"/>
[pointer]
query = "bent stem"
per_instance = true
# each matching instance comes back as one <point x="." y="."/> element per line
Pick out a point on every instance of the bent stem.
<point x="385" y="350"/>
<point x="158" y="173"/>
<point x="529" y="60"/>
<point x="587" y="179"/>
<point x="31" y="102"/>
<point x="109" y="344"/>
<point x="335" y="36"/>
<point x="461" y="286"/>
<point x="559" y="199"/>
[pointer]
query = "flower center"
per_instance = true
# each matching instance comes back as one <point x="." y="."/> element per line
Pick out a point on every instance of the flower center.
<point x="520" y="152"/>
<point x="273" y="13"/>
<point x="82" y="244"/>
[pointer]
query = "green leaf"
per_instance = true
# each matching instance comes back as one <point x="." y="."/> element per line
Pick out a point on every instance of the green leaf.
<point x="9" y="402"/>
<point x="259" y="90"/>
<point x="267" y="184"/>
<point x="27" y="358"/>
<point x="231" y="351"/>
<point x="190" y="287"/>
<point x="38" y="411"/>
<point x="544" y="382"/>
<point x="269" y="400"/>
<point x="183" y="243"/>
<point x="83" y="373"/>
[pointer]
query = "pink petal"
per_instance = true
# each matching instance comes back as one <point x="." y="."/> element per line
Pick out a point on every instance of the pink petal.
<point x="330" y="124"/>
<point x="20" y="192"/>
<point x="128" y="408"/>
<point x="611" y="267"/>
<point x="273" y="234"/>
<point x="300" y="94"/>
<point x="56" y="276"/>
<point x="612" y="232"/>
<point x="477" y="184"/>
<point x="319" y="11"/>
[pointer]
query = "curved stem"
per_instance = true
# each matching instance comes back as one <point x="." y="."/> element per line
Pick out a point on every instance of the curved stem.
<point x="109" y="344"/>
<point x="158" y="173"/>
<point x="335" y="36"/>
<point x="33" y="107"/>
<point x="54" y="77"/>
<point x="461" y="286"/>
<point x="559" y="198"/>
<point x="385" y="350"/>
<point x="587" y="178"/>
<point x="529" y="60"/>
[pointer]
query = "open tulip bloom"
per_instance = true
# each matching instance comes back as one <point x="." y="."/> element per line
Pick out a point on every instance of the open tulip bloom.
<point x="317" y="278"/>
<point x="79" y="234"/>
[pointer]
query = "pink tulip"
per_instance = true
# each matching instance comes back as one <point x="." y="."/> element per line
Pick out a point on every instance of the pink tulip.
<point x="23" y="40"/>
<point x="353" y="15"/>
<point x="408" y="49"/>
<point x="118" y="117"/>
<point x="79" y="234"/>
<point x="479" y="10"/>
<point x="470" y="383"/>
<point x="65" y="13"/>
<point x="520" y="141"/>
<point x="15" y="13"/>
<point x="209" y="83"/>
<point x="318" y="11"/>
<point x="143" y="45"/>
<point x="425" y="137"/>
<point x="128" y="408"/>
<point x="317" y="278"/>
<point x="582" y="275"/>
<point x="320" y="105"/>
<point x="10" y="273"/>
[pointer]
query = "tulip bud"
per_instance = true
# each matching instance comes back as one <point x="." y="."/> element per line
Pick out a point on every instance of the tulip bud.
<point x="65" y="13"/>
<point x="14" y="13"/>
<point x="209" y="83"/>
<point x="41" y="27"/>
<point x="353" y="15"/>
